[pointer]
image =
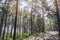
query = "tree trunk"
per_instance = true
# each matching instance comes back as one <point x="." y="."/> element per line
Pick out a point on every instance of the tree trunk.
<point x="43" y="23"/>
<point x="57" y="14"/>
<point x="7" y="33"/>
<point x="1" y="24"/>
<point x="11" y="31"/>
<point x="4" y="26"/>
<point x="14" y="35"/>
<point x="31" y="18"/>
<point x="11" y="27"/>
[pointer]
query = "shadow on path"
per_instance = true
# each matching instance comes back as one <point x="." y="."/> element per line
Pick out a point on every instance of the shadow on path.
<point x="52" y="35"/>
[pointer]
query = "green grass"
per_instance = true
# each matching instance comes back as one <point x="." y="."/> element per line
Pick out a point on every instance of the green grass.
<point x="20" y="36"/>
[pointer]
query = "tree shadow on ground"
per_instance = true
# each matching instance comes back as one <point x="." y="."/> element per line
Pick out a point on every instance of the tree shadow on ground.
<point x="45" y="36"/>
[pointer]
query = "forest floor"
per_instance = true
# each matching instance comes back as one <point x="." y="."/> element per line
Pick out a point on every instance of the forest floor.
<point x="51" y="35"/>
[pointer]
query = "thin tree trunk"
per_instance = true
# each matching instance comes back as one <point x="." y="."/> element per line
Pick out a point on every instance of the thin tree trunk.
<point x="5" y="19"/>
<point x="11" y="31"/>
<point x="11" y="27"/>
<point x="43" y="24"/>
<point x="4" y="26"/>
<point x="57" y="13"/>
<point x="1" y="24"/>
<point x="14" y="36"/>
<point x="39" y="24"/>
<point x="7" y="33"/>
<point x="50" y="25"/>
<point x="31" y="18"/>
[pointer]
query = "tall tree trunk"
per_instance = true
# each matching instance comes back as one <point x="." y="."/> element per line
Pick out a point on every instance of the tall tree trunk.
<point x="1" y="24"/>
<point x="11" y="31"/>
<point x="31" y="18"/>
<point x="14" y="36"/>
<point x="57" y="13"/>
<point x="50" y="25"/>
<point x="11" y="27"/>
<point x="4" y="26"/>
<point x="43" y="10"/>
<point x="5" y="18"/>
<point x="43" y="21"/>
<point x="7" y="33"/>
<point x="39" y="24"/>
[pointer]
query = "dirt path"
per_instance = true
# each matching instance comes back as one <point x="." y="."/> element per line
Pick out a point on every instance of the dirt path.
<point x="52" y="35"/>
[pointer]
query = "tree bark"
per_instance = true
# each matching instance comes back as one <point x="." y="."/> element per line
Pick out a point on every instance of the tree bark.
<point x="14" y="35"/>
<point x="1" y="24"/>
<point x="57" y="14"/>
<point x="4" y="26"/>
<point x="31" y="18"/>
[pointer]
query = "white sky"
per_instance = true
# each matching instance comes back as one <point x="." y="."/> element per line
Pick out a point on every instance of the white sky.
<point x="23" y="4"/>
<point x="3" y="1"/>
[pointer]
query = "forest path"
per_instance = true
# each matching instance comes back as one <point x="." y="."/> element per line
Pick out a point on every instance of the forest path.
<point x="51" y="35"/>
